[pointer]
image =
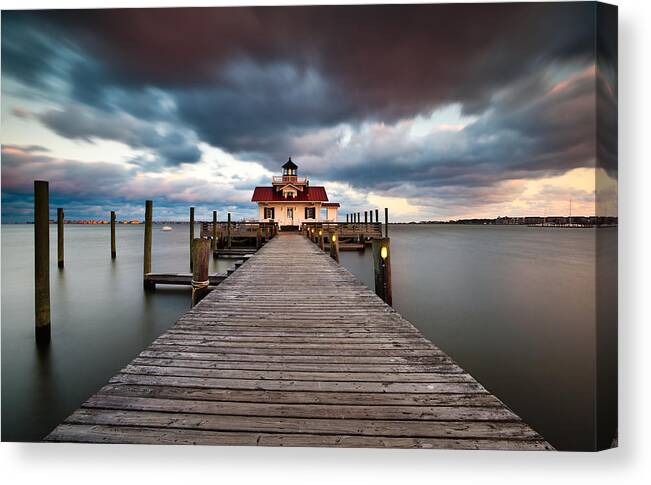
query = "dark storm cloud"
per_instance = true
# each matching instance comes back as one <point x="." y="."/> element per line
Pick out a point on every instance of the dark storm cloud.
<point x="385" y="61"/>
<point x="82" y="123"/>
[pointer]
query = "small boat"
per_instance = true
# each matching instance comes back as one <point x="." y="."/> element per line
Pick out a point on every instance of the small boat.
<point x="166" y="229"/>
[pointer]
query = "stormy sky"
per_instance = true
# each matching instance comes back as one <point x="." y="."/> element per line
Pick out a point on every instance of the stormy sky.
<point x="435" y="111"/>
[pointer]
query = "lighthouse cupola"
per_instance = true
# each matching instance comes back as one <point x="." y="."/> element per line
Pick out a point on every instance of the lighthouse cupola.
<point x="289" y="169"/>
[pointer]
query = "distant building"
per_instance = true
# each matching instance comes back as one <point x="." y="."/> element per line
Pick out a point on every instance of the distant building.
<point x="291" y="200"/>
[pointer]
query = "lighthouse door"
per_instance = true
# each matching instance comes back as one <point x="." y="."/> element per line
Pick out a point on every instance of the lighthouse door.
<point x="290" y="215"/>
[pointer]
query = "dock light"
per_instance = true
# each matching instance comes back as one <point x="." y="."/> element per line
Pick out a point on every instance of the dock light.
<point x="384" y="252"/>
<point x="320" y="232"/>
<point x="334" y="238"/>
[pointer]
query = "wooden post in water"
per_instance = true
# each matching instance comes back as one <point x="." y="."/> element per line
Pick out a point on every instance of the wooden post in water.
<point x="146" y="262"/>
<point x="386" y="222"/>
<point x="60" y="248"/>
<point x="377" y="216"/>
<point x="382" y="268"/>
<point x="191" y="237"/>
<point x="201" y="253"/>
<point x="214" y="230"/>
<point x="113" y="250"/>
<point x="41" y="261"/>
<point x="346" y="218"/>
<point x="334" y="245"/>
<point x="370" y="216"/>
<point x="258" y="237"/>
<point x="365" y="219"/>
<point x="228" y="231"/>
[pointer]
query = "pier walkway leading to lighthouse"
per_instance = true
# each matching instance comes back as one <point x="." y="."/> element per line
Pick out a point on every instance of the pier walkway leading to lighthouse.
<point x="292" y="350"/>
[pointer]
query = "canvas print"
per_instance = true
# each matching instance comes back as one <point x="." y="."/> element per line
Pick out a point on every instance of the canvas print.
<point x="379" y="226"/>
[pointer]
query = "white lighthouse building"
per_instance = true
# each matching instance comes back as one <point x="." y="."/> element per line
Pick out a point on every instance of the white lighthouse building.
<point x="291" y="200"/>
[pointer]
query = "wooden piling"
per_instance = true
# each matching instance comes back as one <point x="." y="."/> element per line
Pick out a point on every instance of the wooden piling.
<point x="382" y="269"/>
<point x="346" y="218"/>
<point x="228" y="231"/>
<point x="365" y="218"/>
<point x="200" y="281"/>
<point x="191" y="237"/>
<point x="146" y="264"/>
<point x="41" y="261"/>
<point x="113" y="249"/>
<point x="214" y="230"/>
<point x="60" y="248"/>
<point x="334" y="245"/>
<point x="359" y="217"/>
<point x="370" y="216"/>
<point x="377" y="215"/>
<point x="258" y="237"/>
<point x="386" y="222"/>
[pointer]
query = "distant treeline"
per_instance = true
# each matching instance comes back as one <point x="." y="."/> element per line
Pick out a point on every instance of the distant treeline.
<point x="531" y="220"/>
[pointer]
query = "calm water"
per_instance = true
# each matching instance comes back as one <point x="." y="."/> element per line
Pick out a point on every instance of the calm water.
<point x="515" y="306"/>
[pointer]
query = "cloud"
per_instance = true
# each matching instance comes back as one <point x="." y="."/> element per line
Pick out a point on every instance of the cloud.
<point x="90" y="189"/>
<point x="22" y="113"/>
<point x="386" y="62"/>
<point x="83" y="123"/>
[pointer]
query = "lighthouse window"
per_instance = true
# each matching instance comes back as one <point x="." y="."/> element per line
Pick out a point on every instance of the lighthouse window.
<point x="269" y="213"/>
<point x="310" y="213"/>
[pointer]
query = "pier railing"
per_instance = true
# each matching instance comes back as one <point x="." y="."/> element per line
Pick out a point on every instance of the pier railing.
<point x="345" y="230"/>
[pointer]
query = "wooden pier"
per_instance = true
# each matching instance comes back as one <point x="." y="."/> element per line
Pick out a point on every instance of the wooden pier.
<point x="292" y="350"/>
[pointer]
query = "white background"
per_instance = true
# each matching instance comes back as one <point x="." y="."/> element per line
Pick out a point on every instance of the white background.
<point x="27" y="463"/>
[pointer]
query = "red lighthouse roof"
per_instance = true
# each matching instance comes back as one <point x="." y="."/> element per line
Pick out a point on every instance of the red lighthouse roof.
<point x="313" y="193"/>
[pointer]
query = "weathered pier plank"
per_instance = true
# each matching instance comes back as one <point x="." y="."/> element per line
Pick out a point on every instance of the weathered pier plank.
<point x="292" y="350"/>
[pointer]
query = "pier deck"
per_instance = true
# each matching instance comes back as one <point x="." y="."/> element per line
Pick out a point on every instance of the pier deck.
<point x="292" y="350"/>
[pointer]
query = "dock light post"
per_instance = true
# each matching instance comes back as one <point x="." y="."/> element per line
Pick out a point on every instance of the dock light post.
<point x="334" y="246"/>
<point x="146" y="263"/>
<point x="41" y="261"/>
<point x="200" y="280"/>
<point x="382" y="269"/>
<point x="113" y="249"/>
<point x="60" y="237"/>
<point x="321" y="244"/>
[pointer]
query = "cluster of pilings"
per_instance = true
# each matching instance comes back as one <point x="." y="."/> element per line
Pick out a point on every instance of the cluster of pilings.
<point x="42" y="308"/>
<point x="318" y="234"/>
<point x="356" y="218"/>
